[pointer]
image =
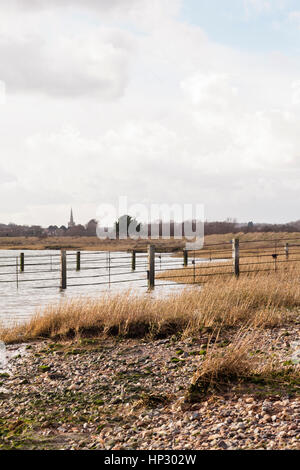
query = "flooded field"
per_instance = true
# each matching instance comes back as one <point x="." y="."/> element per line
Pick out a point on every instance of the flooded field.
<point x="23" y="293"/>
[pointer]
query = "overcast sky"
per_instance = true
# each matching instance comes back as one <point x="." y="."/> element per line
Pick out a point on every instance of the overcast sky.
<point x="165" y="101"/>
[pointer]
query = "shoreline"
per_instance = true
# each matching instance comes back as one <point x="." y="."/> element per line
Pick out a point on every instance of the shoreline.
<point x="105" y="393"/>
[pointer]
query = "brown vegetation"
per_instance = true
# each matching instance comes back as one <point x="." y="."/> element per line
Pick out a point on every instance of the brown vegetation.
<point x="237" y="364"/>
<point x="258" y="301"/>
<point x="94" y="243"/>
<point x="85" y="243"/>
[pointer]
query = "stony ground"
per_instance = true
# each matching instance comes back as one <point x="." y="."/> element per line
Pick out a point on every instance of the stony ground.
<point x="109" y="394"/>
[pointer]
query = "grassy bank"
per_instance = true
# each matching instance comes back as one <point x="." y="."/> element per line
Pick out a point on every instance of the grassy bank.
<point x="258" y="301"/>
<point x="85" y="243"/>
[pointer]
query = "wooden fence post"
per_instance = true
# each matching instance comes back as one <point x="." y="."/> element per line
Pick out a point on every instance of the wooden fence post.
<point x="275" y="256"/>
<point x="22" y="262"/>
<point x="17" y="272"/>
<point x="185" y="258"/>
<point x="133" y="261"/>
<point x="286" y="249"/>
<point x="78" y="261"/>
<point x="63" y="259"/>
<point x="194" y="270"/>
<point x="151" y="267"/>
<point x="236" y="256"/>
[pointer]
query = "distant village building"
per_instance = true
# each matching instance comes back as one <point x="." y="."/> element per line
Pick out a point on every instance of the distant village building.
<point x="91" y="228"/>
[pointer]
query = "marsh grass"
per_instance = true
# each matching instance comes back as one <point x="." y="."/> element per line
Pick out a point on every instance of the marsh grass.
<point x="86" y="243"/>
<point x="261" y="263"/>
<point x="257" y="301"/>
<point x="256" y="239"/>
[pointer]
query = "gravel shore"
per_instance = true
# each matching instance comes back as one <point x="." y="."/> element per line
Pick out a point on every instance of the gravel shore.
<point x="129" y="394"/>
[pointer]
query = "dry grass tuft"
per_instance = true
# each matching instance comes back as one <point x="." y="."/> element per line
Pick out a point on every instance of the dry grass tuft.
<point x="236" y="364"/>
<point x="223" y="366"/>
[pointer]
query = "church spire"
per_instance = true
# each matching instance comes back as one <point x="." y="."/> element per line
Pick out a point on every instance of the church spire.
<point x="71" y="223"/>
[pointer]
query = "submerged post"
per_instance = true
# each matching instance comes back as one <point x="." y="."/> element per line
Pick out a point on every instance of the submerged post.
<point x="63" y="258"/>
<point x="78" y="261"/>
<point x="236" y="256"/>
<point x="133" y="261"/>
<point x="22" y="262"/>
<point x="185" y="258"/>
<point x="17" y="272"/>
<point x="151" y="267"/>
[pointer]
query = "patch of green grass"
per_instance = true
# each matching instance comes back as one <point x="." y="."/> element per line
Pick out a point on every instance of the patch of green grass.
<point x="44" y="368"/>
<point x="267" y="383"/>
<point x="179" y="352"/>
<point x="175" y="359"/>
<point x="202" y="352"/>
<point x="75" y="352"/>
<point x="89" y="341"/>
<point x="56" y="346"/>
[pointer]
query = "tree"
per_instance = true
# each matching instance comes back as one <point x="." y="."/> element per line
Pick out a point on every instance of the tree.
<point x="123" y="223"/>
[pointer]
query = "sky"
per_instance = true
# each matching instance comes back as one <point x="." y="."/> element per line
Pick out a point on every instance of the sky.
<point x="168" y="101"/>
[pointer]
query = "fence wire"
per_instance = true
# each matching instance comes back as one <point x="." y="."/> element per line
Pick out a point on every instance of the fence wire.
<point x="42" y="270"/>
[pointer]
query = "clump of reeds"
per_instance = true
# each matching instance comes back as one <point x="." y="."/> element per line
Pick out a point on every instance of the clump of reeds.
<point x="222" y="366"/>
<point x="237" y="364"/>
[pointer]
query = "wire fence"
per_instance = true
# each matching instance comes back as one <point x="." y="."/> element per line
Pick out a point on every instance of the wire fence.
<point x="233" y="258"/>
<point x="86" y="268"/>
<point x="75" y="269"/>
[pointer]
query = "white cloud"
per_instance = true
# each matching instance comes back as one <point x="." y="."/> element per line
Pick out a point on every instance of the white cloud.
<point x="51" y="52"/>
<point x="102" y="5"/>
<point x="2" y="92"/>
<point x="265" y="6"/>
<point x="210" y="91"/>
<point x="94" y="4"/>
<point x="141" y="12"/>
<point x="161" y="115"/>
<point x="94" y="64"/>
<point x="294" y="17"/>
<point x="258" y="5"/>
<point x="296" y="92"/>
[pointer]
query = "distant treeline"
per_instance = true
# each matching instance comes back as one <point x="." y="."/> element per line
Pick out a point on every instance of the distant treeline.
<point x="216" y="228"/>
<point x="160" y="228"/>
<point x="213" y="228"/>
